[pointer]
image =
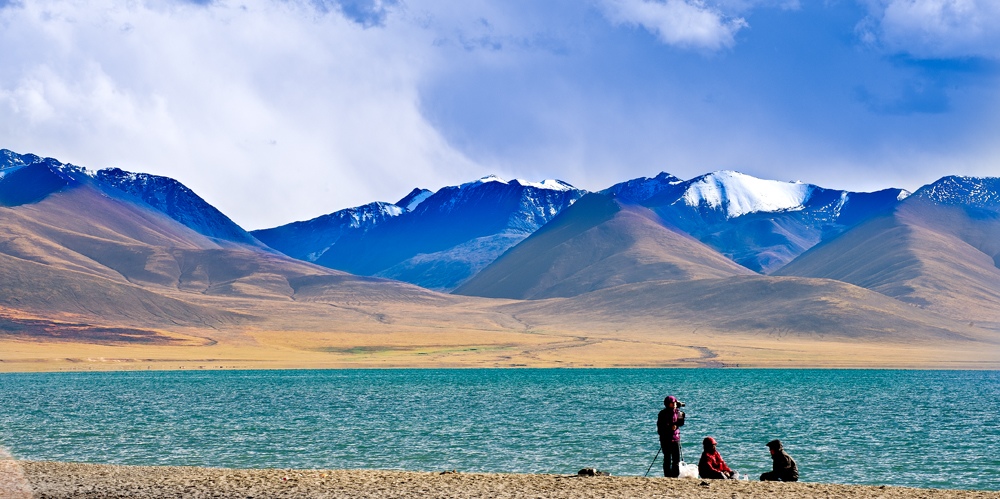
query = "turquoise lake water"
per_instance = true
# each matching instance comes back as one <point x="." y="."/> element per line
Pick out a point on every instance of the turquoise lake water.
<point x="914" y="428"/>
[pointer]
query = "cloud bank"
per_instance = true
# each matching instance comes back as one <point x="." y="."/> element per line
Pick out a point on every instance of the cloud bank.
<point x="267" y="109"/>
<point x="937" y="28"/>
<point x="682" y="23"/>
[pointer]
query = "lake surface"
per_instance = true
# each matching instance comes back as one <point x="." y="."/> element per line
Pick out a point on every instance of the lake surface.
<point x="936" y="429"/>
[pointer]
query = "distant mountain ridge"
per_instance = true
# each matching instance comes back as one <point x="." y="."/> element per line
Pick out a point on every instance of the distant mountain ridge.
<point x="435" y="240"/>
<point x="178" y="202"/>
<point x="10" y="159"/>
<point x="759" y="224"/>
<point x="27" y="178"/>
<point x="112" y="247"/>
<point x="308" y="240"/>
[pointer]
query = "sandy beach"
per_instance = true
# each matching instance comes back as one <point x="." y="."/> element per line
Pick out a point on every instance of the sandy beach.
<point x="70" y="480"/>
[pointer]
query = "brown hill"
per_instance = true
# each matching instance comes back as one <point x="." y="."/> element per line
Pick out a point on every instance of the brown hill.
<point x="597" y="243"/>
<point x="936" y="257"/>
<point x="83" y="253"/>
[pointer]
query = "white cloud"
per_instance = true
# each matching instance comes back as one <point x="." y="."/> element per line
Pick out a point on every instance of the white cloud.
<point x="680" y="23"/>
<point x="272" y="111"/>
<point x="936" y="28"/>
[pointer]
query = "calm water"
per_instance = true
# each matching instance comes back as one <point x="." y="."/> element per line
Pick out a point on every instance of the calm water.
<point x="913" y="428"/>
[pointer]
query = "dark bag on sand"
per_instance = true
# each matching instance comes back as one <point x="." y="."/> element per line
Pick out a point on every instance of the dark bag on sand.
<point x="592" y="472"/>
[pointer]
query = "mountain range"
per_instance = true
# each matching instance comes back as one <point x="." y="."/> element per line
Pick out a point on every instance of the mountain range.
<point x="939" y="250"/>
<point x="436" y="240"/>
<point x="443" y="239"/>
<point x="760" y="224"/>
<point x="652" y="271"/>
<point x="598" y="242"/>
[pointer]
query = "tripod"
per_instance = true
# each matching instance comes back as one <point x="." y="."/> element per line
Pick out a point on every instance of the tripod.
<point x="654" y="460"/>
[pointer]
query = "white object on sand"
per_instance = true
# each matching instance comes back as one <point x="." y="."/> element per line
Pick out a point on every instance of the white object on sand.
<point x="688" y="470"/>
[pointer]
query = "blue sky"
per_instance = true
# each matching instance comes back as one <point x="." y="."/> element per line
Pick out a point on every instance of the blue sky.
<point x="283" y="110"/>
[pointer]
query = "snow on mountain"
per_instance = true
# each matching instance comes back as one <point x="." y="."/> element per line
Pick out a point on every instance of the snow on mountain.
<point x="732" y="194"/>
<point x="979" y="192"/>
<point x="26" y="178"/>
<point x="642" y="189"/>
<point x="177" y="201"/>
<point x="310" y="239"/>
<point x="414" y="198"/>
<point x="548" y="184"/>
<point x="10" y="160"/>
<point x="738" y="194"/>
<point x="530" y="204"/>
<point x="760" y="224"/>
<point x="369" y="214"/>
<point x="452" y="233"/>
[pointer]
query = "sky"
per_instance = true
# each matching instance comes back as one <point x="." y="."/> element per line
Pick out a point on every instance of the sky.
<point x="282" y="110"/>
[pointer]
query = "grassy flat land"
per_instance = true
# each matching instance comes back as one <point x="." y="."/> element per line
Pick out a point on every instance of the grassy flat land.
<point x="477" y="333"/>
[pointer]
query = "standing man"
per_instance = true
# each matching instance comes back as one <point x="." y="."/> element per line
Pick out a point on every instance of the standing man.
<point x="783" y="467"/>
<point x="668" y="424"/>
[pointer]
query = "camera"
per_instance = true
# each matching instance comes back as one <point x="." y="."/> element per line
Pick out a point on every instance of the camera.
<point x="680" y="404"/>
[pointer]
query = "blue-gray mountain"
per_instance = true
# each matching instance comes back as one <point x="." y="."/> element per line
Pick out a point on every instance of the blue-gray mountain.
<point x="434" y="240"/>
<point x="308" y="240"/>
<point x="27" y="178"/>
<point x="939" y="249"/>
<point x="973" y="192"/>
<point x="760" y="224"/>
<point x="178" y="202"/>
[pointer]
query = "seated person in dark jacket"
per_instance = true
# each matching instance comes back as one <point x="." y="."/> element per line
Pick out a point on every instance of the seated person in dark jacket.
<point x="784" y="468"/>
<point x="711" y="464"/>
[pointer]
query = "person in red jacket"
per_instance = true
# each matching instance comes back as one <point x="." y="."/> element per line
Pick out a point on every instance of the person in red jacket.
<point x="711" y="464"/>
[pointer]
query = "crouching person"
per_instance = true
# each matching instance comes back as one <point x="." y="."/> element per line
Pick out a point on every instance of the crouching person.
<point x="711" y="464"/>
<point x="783" y="466"/>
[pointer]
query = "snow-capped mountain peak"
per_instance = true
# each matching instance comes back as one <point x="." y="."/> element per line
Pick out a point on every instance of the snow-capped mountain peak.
<point x="548" y="184"/>
<point x="738" y="194"/>
<point x="484" y="180"/>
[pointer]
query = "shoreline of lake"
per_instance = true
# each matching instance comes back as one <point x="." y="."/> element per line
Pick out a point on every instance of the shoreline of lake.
<point x="75" y="480"/>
